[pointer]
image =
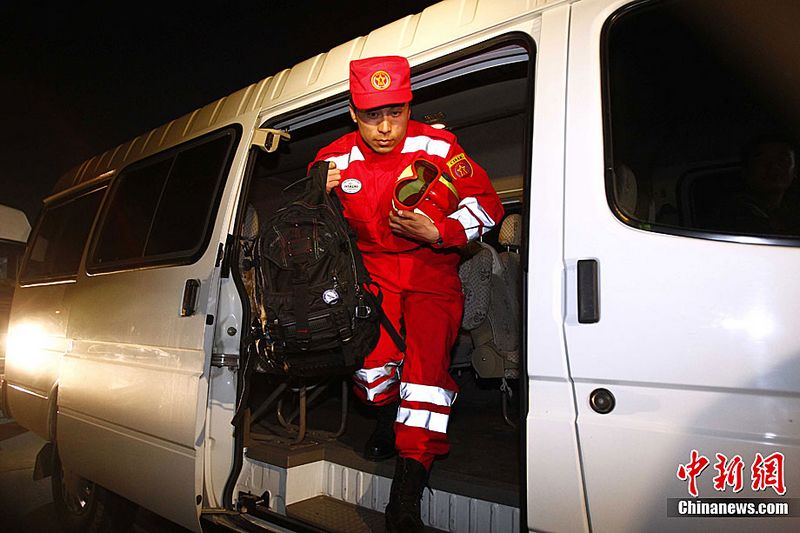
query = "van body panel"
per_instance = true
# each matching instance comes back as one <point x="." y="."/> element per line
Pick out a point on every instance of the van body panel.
<point x="696" y="340"/>
<point x="555" y="497"/>
<point x="221" y="404"/>
<point x="136" y="380"/>
<point x="656" y="433"/>
<point x="118" y="373"/>
<point x="132" y="383"/>
<point x="413" y="36"/>
<point x="36" y="344"/>
<point x="92" y="444"/>
<point x="219" y="445"/>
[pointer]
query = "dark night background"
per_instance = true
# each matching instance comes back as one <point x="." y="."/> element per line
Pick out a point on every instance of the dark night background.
<point x="81" y="77"/>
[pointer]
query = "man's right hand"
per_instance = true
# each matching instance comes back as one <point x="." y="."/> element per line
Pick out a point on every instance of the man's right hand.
<point x="334" y="176"/>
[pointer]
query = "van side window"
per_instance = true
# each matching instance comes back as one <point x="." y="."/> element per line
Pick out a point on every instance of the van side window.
<point x="56" y="249"/>
<point x="160" y="209"/>
<point x="126" y="223"/>
<point x="702" y="119"/>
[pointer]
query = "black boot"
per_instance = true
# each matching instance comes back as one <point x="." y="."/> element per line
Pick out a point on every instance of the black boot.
<point x="380" y="445"/>
<point x="402" y="513"/>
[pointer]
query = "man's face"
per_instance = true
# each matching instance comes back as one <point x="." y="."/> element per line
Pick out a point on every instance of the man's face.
<point x="382" y="128"/>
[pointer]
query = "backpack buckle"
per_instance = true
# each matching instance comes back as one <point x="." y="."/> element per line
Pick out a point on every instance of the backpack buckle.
<point x="363" y="311"/>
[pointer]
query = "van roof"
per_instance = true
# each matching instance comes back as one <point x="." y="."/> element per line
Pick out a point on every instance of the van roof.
<point x="409" y="36"/>
<point x="14" y="225"/>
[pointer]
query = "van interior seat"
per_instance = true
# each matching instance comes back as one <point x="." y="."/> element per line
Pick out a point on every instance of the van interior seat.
<point x="490" y="283"/>
<point x="475" y="272"/>
<point x="511" y="238"/>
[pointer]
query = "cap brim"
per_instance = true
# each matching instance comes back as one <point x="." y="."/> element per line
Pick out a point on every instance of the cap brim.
<point x="382" y="99"/>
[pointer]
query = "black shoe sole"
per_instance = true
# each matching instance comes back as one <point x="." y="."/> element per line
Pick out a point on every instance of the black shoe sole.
<point x="379" y="458"/>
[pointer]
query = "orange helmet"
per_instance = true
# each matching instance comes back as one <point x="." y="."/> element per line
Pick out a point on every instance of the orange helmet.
<point x="425" y="189"/>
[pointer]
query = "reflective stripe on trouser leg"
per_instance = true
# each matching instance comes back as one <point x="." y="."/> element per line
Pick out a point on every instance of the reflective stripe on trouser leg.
<point x="376" y="384"/>
<point x="427" y="391"/>
<point x="377" y="381"/>
<point x="425" y="406"/>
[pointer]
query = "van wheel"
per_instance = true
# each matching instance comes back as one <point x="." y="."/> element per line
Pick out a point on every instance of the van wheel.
<point x="85" y="506"/>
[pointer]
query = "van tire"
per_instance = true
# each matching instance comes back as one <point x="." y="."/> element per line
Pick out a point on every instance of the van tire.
<point x="83" y="506"/>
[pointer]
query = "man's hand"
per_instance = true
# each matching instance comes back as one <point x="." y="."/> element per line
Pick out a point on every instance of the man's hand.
<point x="334" y="176"/>
<point x="413" y="226"/>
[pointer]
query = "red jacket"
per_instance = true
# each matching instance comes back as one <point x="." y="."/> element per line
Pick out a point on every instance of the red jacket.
<point x="367" y="209"/>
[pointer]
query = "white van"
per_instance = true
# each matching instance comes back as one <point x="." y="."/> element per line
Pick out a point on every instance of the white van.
<point x="651" y="381"/>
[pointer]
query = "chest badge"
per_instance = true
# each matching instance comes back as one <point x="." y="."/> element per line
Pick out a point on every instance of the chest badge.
<point x="350" y="186"/>
<point x="330" y="296"/>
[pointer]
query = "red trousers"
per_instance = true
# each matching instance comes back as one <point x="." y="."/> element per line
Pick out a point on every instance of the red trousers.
<point x="421" y="296"/>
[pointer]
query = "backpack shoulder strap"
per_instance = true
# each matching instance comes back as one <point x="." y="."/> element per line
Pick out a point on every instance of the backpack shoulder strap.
<point x="316" y="188"/>
<point x="389" y="327"/>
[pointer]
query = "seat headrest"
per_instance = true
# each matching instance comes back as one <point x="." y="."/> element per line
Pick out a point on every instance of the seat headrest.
<point x="511" y="231"/>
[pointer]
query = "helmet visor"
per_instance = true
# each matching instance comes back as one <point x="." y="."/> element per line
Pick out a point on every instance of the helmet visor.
<point x="410" y="191"/>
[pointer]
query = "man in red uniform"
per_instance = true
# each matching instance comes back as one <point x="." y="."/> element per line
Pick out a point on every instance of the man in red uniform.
<point x="414" y="260"/>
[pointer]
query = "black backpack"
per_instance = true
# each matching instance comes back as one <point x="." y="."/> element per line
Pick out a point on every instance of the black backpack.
<point x="311" y="283"/>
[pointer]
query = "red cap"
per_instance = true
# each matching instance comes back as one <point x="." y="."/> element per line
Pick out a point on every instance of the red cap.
<point x="380" y="81"/>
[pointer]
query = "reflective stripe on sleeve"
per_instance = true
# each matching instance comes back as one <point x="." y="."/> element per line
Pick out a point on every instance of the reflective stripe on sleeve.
<point x="414" y="392"/>
<point x="421" y="418"/>
<point x="343" y="161"/>
<point x="427" y="144"/>
<point x="472" y="217"/>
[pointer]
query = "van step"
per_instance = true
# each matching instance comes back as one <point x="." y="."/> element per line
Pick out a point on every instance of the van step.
<point x="369" y="491"/>
<point x="337" y="516"/>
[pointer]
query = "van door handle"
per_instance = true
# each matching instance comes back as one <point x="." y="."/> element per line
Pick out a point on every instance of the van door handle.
<point x="190" y="290"/>
<point x="588" y="292"/>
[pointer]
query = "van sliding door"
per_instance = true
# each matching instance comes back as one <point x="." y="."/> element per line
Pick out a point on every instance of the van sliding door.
<point x="681" y="248"/>
<point x="133" y="391"/>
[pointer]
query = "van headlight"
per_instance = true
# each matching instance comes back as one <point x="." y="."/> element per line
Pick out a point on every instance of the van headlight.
<point x="26" y="343"/>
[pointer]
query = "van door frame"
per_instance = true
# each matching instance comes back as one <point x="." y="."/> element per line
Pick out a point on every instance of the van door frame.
<point x="331" y="104"/>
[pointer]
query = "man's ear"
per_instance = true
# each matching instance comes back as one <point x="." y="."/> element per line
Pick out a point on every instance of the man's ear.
<point x="352" y="112"/>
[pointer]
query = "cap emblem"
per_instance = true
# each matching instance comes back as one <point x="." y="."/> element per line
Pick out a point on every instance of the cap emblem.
<point x="381" y="80"/>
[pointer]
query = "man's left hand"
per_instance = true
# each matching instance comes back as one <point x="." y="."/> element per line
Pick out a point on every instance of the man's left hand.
<point x="413" y="226"/>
